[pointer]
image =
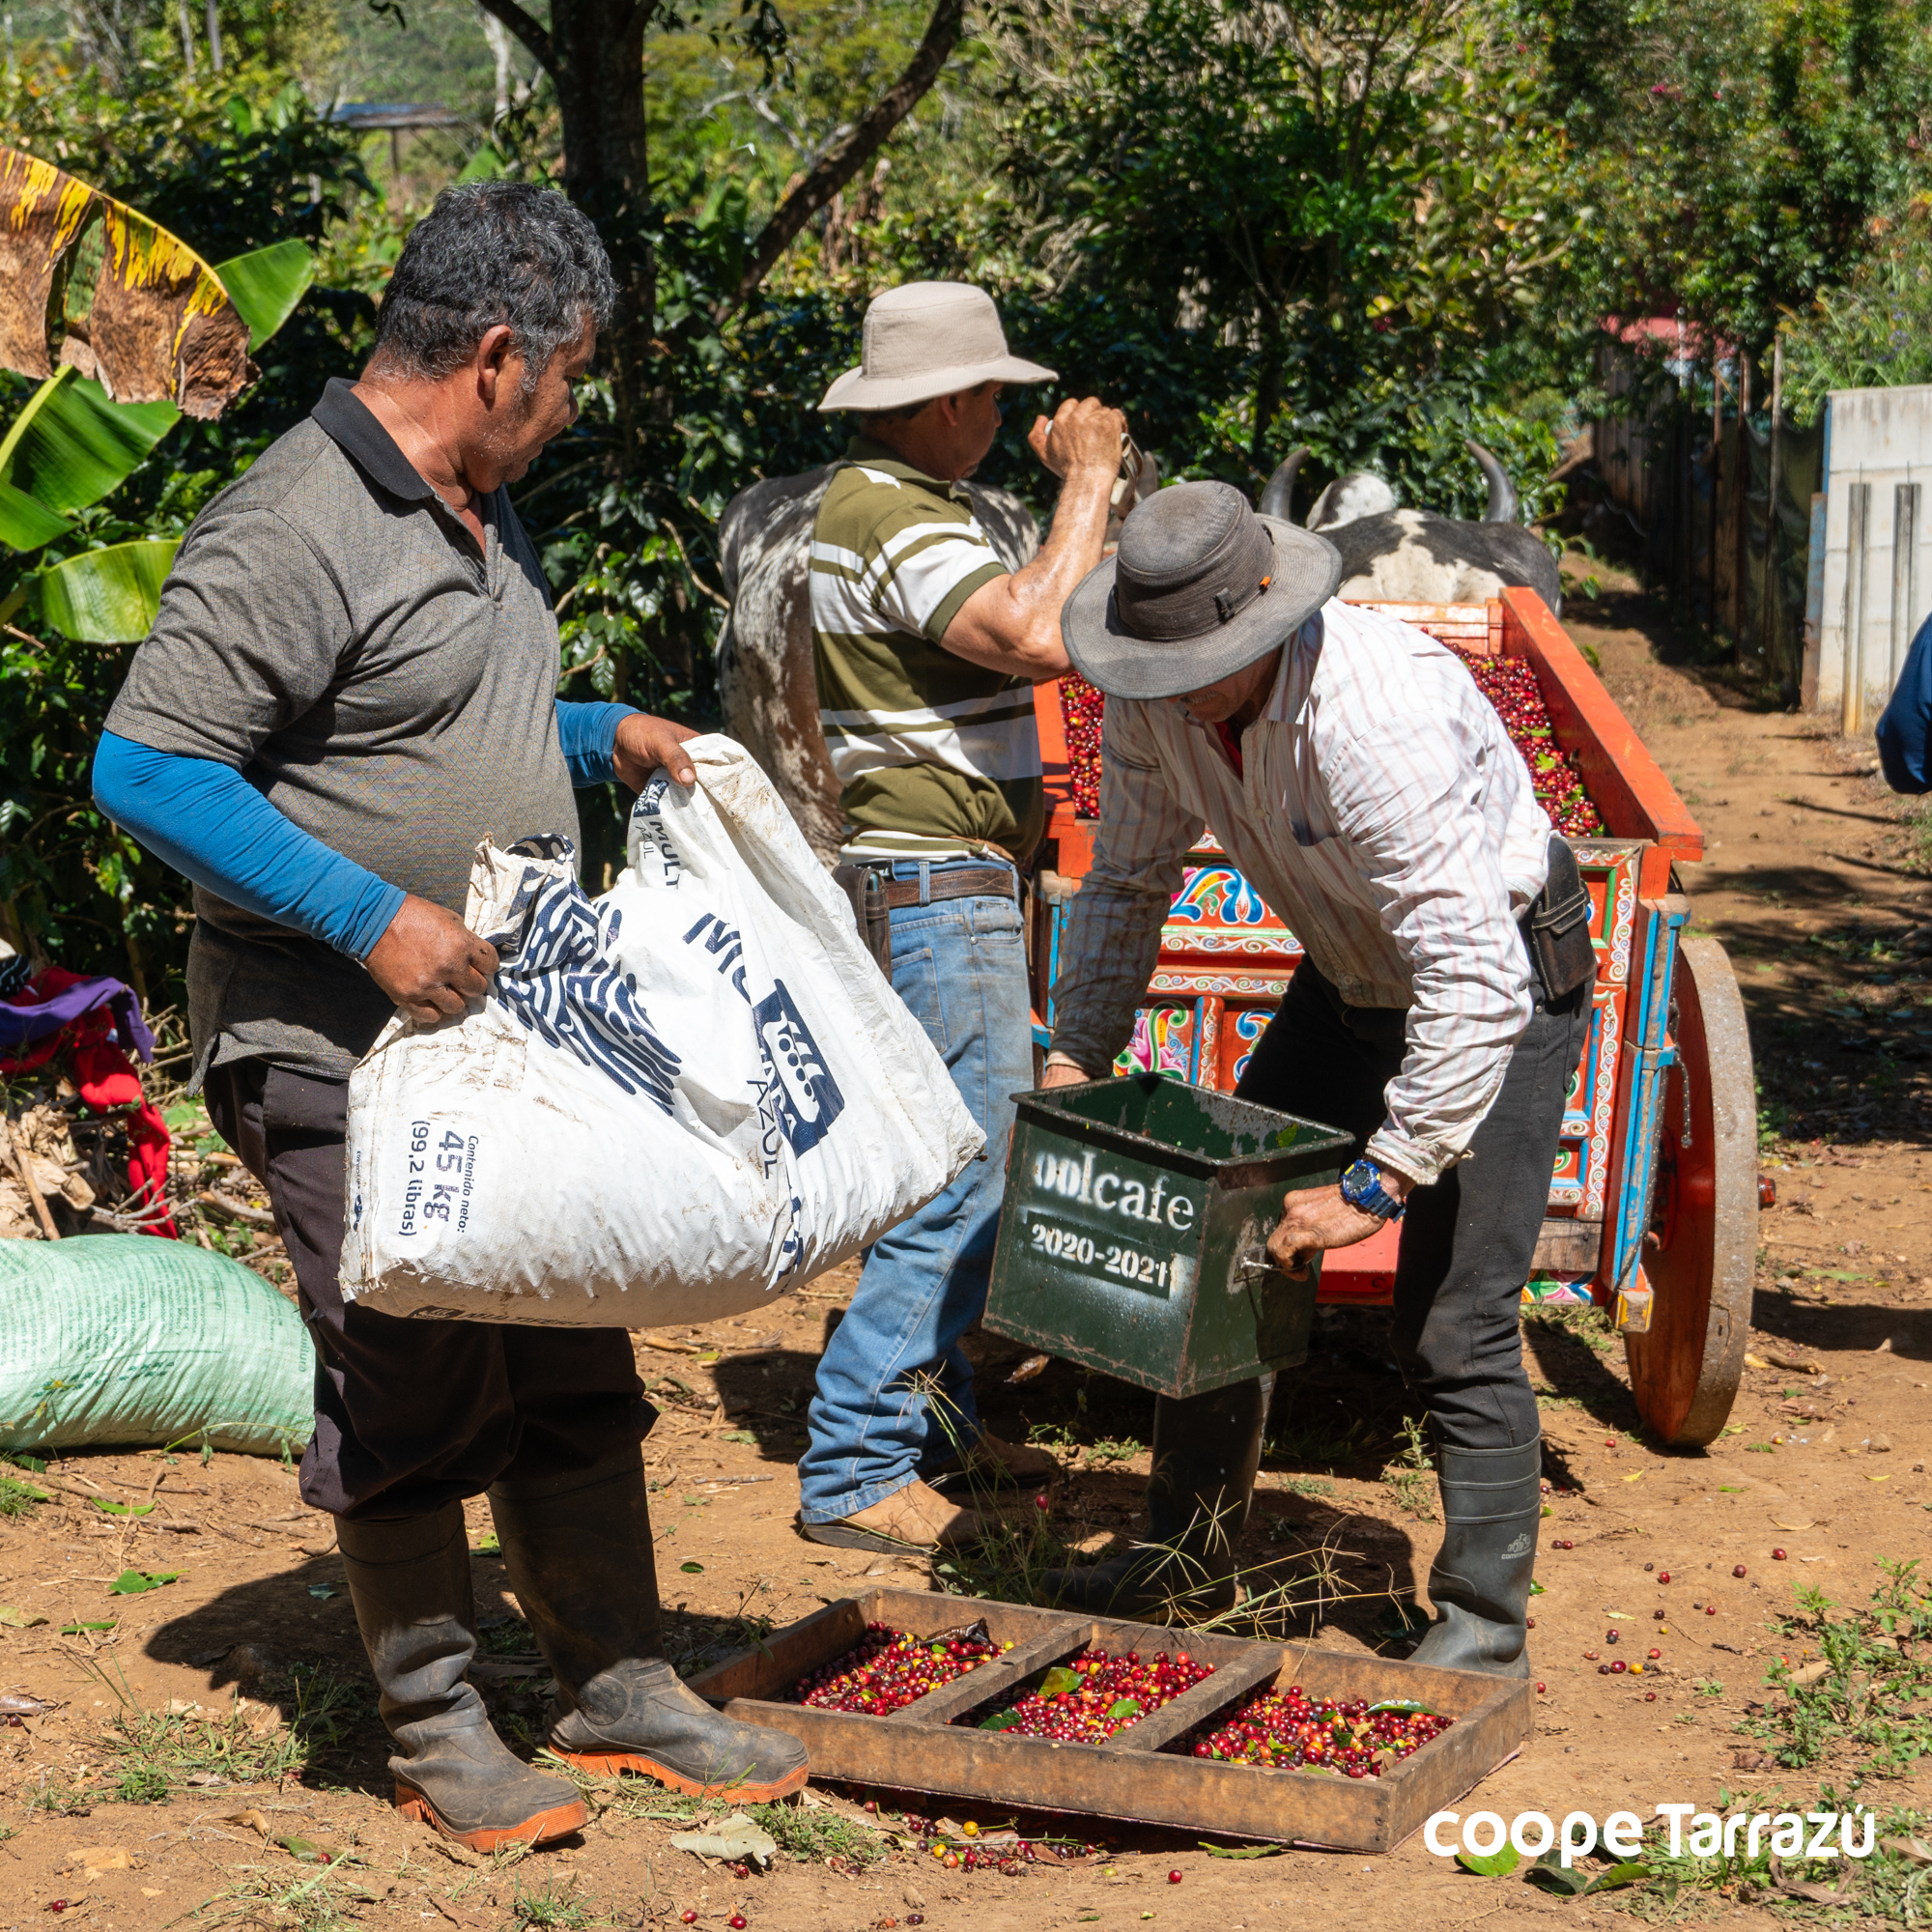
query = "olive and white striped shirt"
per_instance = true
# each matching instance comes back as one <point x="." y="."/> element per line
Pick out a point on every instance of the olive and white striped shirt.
<point x="1383" y="813"/>
<point x="934" y="755"/>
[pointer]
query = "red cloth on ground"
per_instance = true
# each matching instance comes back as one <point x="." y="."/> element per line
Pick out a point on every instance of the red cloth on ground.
<point x="107" y="1083"/>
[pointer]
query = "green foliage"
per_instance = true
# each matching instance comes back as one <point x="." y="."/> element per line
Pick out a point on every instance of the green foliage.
<point x="1314" y="223"/>
<point x="1873" y="333"/>
<point x="1875" y="1691"/>
<point x="1729" y="157"/>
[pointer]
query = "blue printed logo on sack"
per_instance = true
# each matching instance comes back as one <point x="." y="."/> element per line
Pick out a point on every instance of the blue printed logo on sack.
<point x="556" y="975"/>
<point x="807" y="1097"/>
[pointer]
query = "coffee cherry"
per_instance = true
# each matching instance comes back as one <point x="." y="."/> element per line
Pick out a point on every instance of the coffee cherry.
<point x="1650" y="1696"/>
<point x="1710" y="1609"/>
<point x="1648" y="1568"/>
<point x="1609" y="1637"/>
<point x="1663" y="1575"/>
<point x="1739" y="1571"/>
<point x="887" y="1669"/>
<point x="1173" y="1878"/>
<point x="1777" y="1556"/>
<point x="1655" y="1654"/>
<point x="950" y="1862"/>
<point x="1656" y="1616"/>
<point x="1529" y="1623"/>
<point x="1618" y="1668"/>
<point x="1602" y="1670"/>
<point x="736" y="1921"/>
<point x="1589" y="1656"/>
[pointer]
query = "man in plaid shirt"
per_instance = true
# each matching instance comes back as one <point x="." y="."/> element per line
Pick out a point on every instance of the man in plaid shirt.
<point x="1354" y="773"/>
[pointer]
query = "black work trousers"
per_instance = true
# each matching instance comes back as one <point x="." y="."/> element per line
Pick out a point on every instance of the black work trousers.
<point x="413" y="1414"/>
<point x="1466" y="1241"/>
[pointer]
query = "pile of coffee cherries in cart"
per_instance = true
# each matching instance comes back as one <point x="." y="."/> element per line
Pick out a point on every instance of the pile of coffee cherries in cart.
<point x="1511" y="686"/>
<point x="887" y="1669"/>
<point x="1355" y="1738"/>
<point x="1080" y="711"/>
<point x="1093" y="1696"/>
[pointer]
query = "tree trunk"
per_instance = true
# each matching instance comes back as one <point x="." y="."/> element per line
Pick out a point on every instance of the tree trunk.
<point x="594" y="54"/>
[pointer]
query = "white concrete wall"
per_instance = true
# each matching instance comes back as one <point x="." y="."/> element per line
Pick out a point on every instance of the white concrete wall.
<point x="1880" y="438"/>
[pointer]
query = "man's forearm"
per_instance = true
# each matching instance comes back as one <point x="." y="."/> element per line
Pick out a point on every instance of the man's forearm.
<point x="1111" y="948"/>
<point x="206" y="821"/>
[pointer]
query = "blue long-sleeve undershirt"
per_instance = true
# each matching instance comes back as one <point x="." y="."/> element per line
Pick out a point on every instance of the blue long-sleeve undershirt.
<point x="206" y="821"/>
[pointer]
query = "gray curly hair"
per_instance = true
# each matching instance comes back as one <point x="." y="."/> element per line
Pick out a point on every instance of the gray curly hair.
<point x="492" y="252"/>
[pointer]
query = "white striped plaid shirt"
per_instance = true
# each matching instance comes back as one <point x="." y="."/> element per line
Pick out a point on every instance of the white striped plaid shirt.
<point x="1386" y="817"/>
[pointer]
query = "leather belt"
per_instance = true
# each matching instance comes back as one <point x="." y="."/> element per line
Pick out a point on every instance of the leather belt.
<point x="976" y="882"/>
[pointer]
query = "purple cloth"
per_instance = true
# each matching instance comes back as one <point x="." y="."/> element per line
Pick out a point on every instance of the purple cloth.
<point x="24" y="1026"/>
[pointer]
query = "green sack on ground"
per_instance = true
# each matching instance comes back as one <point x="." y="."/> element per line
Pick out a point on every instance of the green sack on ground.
<point x="128" y="1339"/>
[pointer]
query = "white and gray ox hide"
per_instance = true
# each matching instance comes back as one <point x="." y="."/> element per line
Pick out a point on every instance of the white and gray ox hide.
<point x="1411" y="557"/>
<point x="765" y="679"/>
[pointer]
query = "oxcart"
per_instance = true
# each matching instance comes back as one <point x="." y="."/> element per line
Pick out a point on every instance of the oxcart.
<point x="1653" y="1203"/>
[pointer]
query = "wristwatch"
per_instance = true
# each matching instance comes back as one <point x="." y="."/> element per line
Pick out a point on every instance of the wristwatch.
<point x="1362" y="1187"/>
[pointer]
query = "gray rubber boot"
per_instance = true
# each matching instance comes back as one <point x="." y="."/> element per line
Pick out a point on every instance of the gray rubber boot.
<point x="579" y="1556"/>
<point x="408" y="1580"/>
<point x="1492" y="1504"/>
<point x="1205" y="1451"/>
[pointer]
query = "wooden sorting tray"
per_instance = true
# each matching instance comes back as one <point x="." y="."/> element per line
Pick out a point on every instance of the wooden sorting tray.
<point x="1128" y="1776"/>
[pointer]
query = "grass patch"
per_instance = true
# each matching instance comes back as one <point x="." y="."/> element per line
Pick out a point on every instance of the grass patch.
<point x="19" y="1498"/>
<point x="157" y="1751"/>
<point x="550" y="1908"/>
<point x="1875" y="1693"/>
<point x="818" y="1834"/>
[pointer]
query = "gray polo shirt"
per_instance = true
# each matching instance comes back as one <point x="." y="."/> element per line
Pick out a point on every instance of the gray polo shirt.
<point x="332" y="631"/>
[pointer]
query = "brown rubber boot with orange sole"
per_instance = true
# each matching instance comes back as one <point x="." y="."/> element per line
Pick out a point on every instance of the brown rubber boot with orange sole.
<point x="579" y="1551"/>
<point x="408" y="1578"/>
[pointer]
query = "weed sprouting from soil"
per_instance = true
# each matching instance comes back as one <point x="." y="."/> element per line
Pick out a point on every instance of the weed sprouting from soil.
<point x="1874" y="1693"/>
<point x="321" y="1902"/>
<point x="820" y="1835"/>
<point x="1411" y="1477"/>
<point x="550" y="1908"/>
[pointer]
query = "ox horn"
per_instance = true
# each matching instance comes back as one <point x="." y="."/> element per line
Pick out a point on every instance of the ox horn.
<point x="1502" y="506"/>
<point x="1278" y="499"/>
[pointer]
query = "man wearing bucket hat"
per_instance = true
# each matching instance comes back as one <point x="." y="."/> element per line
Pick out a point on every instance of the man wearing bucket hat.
<point x="925" y="649"/>
<point x="1354" y="773"/>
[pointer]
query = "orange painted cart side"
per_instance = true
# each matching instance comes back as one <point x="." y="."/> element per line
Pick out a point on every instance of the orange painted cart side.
<point x="1653" y="1199"/>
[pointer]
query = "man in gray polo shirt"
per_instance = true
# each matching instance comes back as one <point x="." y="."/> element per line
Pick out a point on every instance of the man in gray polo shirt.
<point x="351" y="680"/>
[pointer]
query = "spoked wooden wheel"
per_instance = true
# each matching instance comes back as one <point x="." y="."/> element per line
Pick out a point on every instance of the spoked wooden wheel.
<point x="1702" y="1246"/>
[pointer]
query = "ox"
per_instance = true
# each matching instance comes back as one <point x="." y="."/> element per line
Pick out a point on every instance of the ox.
<point x="1411" y="556"/>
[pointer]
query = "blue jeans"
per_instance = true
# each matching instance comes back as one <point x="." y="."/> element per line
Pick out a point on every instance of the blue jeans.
<point x="960" y="967"/>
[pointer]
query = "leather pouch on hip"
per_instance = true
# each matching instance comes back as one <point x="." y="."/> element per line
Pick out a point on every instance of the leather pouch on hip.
<point x="864" y="889"/>
<point x="1560" y="926"/>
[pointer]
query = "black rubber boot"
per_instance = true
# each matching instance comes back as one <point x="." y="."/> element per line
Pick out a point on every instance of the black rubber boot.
<point x="1205" y="1451"/>
<point x="1492" y="1504"/>
<point x="579" y="1556"/>
<point x="408" y="1580"/>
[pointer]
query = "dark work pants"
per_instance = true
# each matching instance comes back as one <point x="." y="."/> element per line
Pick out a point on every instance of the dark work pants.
<point x="1466" y="1241"/>
<point x="410" y="1415"/>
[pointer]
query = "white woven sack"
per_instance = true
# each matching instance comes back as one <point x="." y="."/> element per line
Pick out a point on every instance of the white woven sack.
<point x="678" y="1099"/>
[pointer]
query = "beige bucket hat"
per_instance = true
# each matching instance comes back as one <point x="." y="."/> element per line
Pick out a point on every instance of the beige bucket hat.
<point x="927" y="339"/>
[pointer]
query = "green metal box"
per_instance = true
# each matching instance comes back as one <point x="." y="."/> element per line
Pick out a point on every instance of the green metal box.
<point x="1134" y="1235"/>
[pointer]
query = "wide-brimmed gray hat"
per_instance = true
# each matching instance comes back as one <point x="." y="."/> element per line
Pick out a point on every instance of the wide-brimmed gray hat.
<point x="927" y="339"/>
<point x="1200" y="588"/>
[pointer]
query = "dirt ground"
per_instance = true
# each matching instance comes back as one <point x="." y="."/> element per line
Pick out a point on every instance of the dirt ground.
<point x="229" y="1711"/>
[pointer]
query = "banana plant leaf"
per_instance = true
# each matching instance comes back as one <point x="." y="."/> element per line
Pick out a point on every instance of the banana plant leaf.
<point x="69" y="446"/>
<point x="265" y="285"/>
<point x="24" y="524"/>
<point x="109" y="596"/>
<point x="158" y="325"/>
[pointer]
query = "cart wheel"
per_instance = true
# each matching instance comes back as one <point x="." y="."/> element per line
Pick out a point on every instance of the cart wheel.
<point x="1702" y="1247"/>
